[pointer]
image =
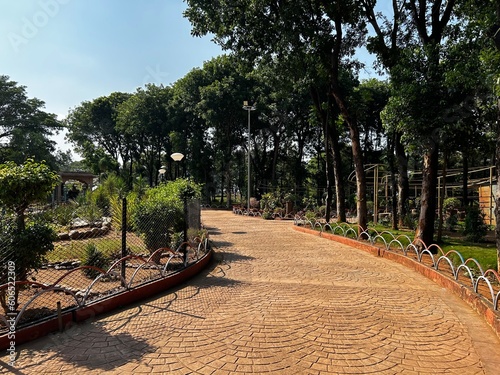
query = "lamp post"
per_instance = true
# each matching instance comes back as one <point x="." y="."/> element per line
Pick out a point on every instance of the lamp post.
<point x="177" y="157"/>
<point x="162" y="171"/>
<point x="248" y="108"/>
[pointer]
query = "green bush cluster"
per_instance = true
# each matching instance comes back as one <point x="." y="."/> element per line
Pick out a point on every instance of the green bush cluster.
<point x="475" y="228"/>
<point x="160" y="213"/>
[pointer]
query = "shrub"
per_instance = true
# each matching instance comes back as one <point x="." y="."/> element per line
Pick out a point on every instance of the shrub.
<point x="24" y="244"/>
<point x="156" y="221"/>
<point x="451" y="222"/>
<point x="63" y="214"/>
<point x="100" y="199"/>
<point x="267" y="215"/>
<point x="90" y="212"/>
<point x="451" y="204"/>
<point x="310" y="215"/>
<point x="116" y="212"/>
<point x="410" y="221"/>
<point x="254" y="203"/>
<point x="26" y="249"/>
<point x="161" y="212"/>
<point x="475" y="228"/>
<point x="93" y="257"/>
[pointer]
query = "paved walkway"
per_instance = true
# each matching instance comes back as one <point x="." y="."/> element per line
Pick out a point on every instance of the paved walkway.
<point x="279" y="302"/>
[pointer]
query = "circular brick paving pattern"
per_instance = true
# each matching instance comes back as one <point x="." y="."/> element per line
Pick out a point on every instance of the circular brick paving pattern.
<point x="278" y="301"/>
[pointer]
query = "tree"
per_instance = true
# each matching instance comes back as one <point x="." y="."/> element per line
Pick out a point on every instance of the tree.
<point x="25" y="127"/>
<point x="487" y="18"/>
<point x="328" y="32"/>
<point x="191" y="129"/>
<point x="221" y="108"/>
<point x="284" y="128"/>
<point x="23" y="244"/>
<point x="22" y="185"/>
<point x="144" y="119"/>
<point x="413" y="48"/>
<point x="92" y="128"/>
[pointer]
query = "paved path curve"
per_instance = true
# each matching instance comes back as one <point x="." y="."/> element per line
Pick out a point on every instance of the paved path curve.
<point x="279" y="302"/>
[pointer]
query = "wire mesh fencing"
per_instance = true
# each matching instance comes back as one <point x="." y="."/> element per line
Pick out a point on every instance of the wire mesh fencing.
<point x="95" y="253"/>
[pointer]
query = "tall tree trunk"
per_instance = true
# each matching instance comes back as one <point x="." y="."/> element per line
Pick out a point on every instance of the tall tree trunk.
<point x="222" y="183"/>
<point x="465" y="179"/>
<point x="323" y="117"/>
<point x="357" y="156"/>
<point x="229" y="188"/>
<point x="349" y="117"/>
<point x="329" y="174"/>
<point x="497" y="196"/>
<point x="339" y="178"/>
<point x="276" y="143"/>
<point x="403" y="184"/>
<point x="394" y="206"/>
<point x="497" y="163"/>
<point x="333" y="159"/>
<point x="392" y="169"/>
<point x="337" y="168"/>
<point x="328" y="167"/>
<point x="425" y="228"/>
<point x="441" y="199"/>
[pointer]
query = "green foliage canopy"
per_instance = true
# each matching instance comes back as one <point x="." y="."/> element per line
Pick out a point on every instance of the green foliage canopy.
<point x="22" y="185"/>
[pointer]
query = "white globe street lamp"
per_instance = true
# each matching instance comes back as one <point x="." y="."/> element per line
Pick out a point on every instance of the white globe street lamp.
<point x="177" y="157"/>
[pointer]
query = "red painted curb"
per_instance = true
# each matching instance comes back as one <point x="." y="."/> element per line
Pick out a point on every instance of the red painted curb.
<point x="139" y="293"/>
<point x="474" y="300"/>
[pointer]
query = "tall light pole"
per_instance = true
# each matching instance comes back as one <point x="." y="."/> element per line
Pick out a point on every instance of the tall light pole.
<point x="177" y="157"/>
<point x="161" y="172"/>
<point x="248" y="108"/>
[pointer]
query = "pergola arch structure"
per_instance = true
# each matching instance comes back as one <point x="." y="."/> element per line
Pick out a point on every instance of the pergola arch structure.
<point x="83" y="177"/>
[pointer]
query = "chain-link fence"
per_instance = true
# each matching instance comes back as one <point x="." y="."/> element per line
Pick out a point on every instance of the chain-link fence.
<point x="95" y="254"/>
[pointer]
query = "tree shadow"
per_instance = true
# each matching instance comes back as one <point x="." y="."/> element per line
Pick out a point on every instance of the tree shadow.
<point x="221" y="244"/>
<point x="230" y="257"/>
<point x="213" y="231"/>
<point x="90" y="345"/>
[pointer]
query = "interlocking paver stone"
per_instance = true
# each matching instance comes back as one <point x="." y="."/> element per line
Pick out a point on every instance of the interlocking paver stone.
<point x="278" y="301"/>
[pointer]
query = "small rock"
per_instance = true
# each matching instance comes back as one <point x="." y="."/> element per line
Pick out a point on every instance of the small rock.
<point x="63" y="236"/>
<point x="74" y="234"/>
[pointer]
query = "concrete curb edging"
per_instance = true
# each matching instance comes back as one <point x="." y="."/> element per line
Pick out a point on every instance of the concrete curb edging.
<point x="474" y="300"/>
<point x="90" y="311"/>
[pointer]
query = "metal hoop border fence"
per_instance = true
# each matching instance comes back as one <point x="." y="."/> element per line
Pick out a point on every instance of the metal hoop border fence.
<point x="193" y="252"/>
<point x="476" y="275"/>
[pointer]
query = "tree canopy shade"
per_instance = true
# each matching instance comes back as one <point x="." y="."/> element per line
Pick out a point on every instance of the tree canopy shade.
<point x="24" y="244"/>
<point x="303" y="30"/>
<point x="22" y="185"/>
<point x="92" y="129"/>
<point x="144" y="119"/>
<point x="417" y="47"/>
<point x="25" y="128"/>
<point x="486" y="20"/>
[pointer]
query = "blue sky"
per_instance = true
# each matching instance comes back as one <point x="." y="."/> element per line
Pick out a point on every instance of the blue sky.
<point x="69" y="51"/>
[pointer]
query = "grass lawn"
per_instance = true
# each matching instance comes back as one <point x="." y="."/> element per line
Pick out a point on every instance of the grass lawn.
<point x="485" y="252"/>
<point x="75" y="249"/>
